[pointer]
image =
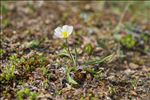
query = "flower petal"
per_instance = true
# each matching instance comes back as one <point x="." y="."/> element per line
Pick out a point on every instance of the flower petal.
<point x="58" y="32"/>
<point x="67" y="28"/>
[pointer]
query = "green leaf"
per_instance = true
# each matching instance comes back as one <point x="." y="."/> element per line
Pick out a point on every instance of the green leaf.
<point x="69" y="78"/>
<point x="33" y="44"/>
<point x="88" y="48"/>
<point x="106" y="59"/>
<point x="63" y="53"/>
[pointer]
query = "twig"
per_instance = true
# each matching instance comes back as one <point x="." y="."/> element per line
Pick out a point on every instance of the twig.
<point x="121" y="18"/>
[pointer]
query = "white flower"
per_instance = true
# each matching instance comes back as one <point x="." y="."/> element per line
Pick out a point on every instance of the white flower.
<point x="63" y="32"/>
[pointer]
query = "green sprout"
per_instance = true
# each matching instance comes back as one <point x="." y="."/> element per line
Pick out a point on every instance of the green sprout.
<point x="8" y="73"/>
<point x="128" y="41"/>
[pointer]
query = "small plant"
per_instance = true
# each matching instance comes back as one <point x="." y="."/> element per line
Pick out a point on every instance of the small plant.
<point x="65" y="32"/>
<point x="26" y="93"/>
<point x="14" y="59"/>
<point x="134" y="83"/>
<point x="9" y="73"/>
<point x="133" y="38"/>
<point x="128" y="41"/>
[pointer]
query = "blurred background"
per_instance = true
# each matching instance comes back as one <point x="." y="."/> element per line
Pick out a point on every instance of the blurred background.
<point x="92" y="16"/>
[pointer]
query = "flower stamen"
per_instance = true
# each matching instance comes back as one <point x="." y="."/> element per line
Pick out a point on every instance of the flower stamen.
<point x="65" y="34"/>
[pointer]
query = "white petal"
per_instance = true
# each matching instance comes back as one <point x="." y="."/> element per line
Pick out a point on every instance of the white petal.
<point x="58" y="32"/>
<point x="67" y="28"/>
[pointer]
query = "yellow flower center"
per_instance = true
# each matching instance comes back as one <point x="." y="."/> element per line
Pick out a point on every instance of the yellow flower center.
<point x="65" y="34"/>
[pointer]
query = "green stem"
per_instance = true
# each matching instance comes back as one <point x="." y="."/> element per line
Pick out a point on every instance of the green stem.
<point x="71" y="56"/>
<point x="76" y="55"/>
